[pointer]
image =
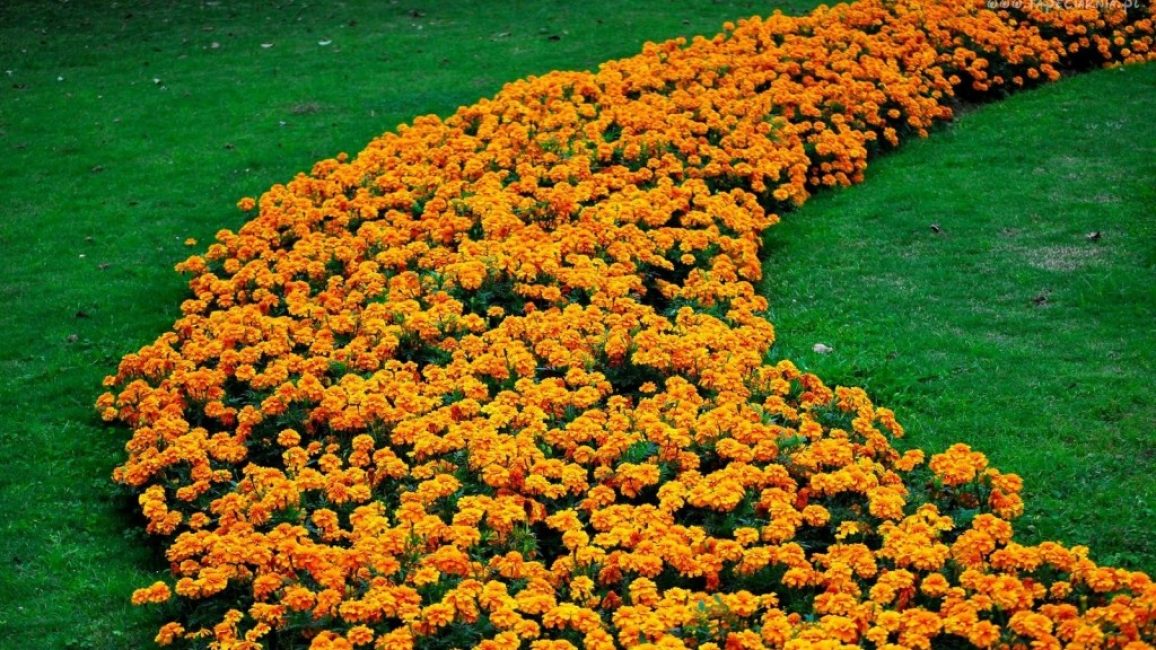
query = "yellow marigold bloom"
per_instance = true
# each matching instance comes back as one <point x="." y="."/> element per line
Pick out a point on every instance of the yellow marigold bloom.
<point x="424" y="576"/>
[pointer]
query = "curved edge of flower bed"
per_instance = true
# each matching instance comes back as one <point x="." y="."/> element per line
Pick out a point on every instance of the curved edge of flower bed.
<point x="500" y="379"/>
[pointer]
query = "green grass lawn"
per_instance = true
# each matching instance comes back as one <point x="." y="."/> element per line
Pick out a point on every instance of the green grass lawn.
<point x="126" y="129"/>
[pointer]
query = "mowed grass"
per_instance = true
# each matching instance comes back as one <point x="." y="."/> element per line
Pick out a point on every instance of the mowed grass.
<point x="996" y="285"/>
<point x="126" y="129"/>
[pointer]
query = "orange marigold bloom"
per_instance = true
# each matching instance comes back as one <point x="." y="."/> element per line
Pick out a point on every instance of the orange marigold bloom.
<point x="158" y="592"/>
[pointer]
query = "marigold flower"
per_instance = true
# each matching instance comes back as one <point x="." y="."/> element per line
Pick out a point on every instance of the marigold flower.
<point x="158" y="592"/>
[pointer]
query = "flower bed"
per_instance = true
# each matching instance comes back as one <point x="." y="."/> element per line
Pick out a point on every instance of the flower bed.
<point x="501" y="379"/>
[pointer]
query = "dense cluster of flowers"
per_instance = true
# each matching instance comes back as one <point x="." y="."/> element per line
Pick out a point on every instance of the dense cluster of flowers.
<point x="501" y="379"/>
